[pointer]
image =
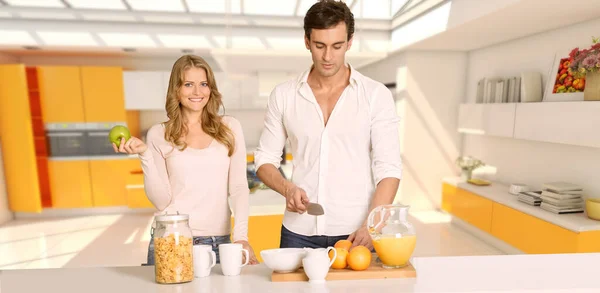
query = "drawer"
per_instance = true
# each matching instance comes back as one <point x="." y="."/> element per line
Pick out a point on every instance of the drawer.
<point x="473" y="209"/>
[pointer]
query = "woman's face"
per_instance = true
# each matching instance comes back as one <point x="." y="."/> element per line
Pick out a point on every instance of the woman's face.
<point x="194" y="92"/>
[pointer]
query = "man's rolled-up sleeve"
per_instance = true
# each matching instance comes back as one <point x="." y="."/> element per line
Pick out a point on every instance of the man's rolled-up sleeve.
<point x="385" y="139"/>
<point x="273" y="137"/>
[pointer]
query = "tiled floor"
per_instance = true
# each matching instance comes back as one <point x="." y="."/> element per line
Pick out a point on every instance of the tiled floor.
<point x="122" y="240"/>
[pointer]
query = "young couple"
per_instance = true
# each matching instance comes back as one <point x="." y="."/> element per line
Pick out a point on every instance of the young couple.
<point x="343" y="133"/>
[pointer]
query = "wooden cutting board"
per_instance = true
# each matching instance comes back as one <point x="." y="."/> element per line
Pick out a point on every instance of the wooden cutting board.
<point x="375" y="271"/>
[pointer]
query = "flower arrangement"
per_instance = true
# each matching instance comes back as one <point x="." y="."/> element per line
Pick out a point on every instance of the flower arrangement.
<point x="467" y="164"/>
<point x="586" y="60"/>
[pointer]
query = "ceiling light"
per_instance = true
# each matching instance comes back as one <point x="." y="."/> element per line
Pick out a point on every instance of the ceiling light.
<point x="95" y="4"/>
<point x="10" y="37"/>
<point x="156" y="5"/>
<point x="67" y="39"/>
<point x="184" y="41"/>
<point x="127" y="40"/>
<point x="214" y="6"/>
<point x="35" y="3"/>
<point x="376" y="9"/>
<point x="269" y="7"/>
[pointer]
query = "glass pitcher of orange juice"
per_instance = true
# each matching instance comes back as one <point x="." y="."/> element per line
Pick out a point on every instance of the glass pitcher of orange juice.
<point x="394" y="238"/>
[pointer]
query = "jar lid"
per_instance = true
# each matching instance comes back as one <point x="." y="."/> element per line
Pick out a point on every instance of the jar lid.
<point x="172" y="217"/>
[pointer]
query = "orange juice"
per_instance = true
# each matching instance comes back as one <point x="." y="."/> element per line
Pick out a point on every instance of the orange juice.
<point x="395" y="252"/>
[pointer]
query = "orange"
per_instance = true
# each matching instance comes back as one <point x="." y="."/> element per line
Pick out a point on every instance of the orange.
<point x="340" y="259"/>
<point x="343" y="244"/>
<point x="359" y="258"/>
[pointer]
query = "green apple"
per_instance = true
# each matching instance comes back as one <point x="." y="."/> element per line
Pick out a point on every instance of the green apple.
<point x="118" y="132"/>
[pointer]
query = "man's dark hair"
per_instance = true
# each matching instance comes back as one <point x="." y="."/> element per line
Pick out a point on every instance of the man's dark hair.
<point x="327" y="14"/>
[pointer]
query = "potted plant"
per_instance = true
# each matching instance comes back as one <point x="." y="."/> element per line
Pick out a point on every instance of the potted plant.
<point x="467" y="164"/>
<point x="585" y="65"/>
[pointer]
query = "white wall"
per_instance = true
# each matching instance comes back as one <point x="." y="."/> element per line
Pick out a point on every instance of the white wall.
<point x="525" y="161"/>
<point x="384" y="70"/>
<point x="429" y="88"/>
<point x="463" y="11"/>
<point x="5" y="213"/>
<point x="6" y="58"/>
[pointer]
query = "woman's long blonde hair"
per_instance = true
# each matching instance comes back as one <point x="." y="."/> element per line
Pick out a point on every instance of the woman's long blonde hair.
<point x="212" y="123"/>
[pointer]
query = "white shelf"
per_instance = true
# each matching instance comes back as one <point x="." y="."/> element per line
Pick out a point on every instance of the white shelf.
<point x="498" y="192"/>
<point x="573" y="123"/>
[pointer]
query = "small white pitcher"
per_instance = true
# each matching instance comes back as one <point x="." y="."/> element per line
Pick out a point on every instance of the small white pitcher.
<point x="316" y="263"/>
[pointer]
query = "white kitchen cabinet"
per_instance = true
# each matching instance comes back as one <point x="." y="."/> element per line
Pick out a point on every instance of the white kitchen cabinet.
<point x="574" y="123"/>
<point x="144" y="90"/>
<point x="488" y="119"/>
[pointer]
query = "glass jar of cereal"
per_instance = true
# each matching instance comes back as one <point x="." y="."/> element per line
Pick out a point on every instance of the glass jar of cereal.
<point x="173" y="249"/>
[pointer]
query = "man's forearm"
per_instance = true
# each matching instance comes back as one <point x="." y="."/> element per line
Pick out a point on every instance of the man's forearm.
<point x="272" y="178"/>
<point x="384" y="193"/>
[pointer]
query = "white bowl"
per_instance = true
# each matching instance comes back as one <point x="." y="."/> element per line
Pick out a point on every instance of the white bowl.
<point x="283" y="260"/>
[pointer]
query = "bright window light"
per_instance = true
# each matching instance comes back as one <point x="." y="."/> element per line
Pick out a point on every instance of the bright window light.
<point x="304" y="6"/>
<point x="184" y="41"/>
<point x="296" y="44"/>
<point x="269" y="7"/>
<point x="156" y="5"/>
<point x="10" y="37"/>
<point x="127" y="40"/>
<point x="95" y="4"/>
<point x="35" y="3"/>
<point x="221" y="41"/>
<point x="376" y="9"/>
<point x="421" y="28"/>
<point x="67" y="39"/>
<point x="250" y="43"/>
<point x="214" y="6"/>
<point x="396" y="5"/>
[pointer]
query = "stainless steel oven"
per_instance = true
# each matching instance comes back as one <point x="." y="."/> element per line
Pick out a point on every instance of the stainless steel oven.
<point x="66" y="139"/>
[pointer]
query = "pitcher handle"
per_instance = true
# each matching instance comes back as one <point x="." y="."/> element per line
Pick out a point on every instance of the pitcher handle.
<point x="214" y="258"/>
<point x="334" y="254"/>
<point x="371" y="216"/>
<point x="245" y="251"/>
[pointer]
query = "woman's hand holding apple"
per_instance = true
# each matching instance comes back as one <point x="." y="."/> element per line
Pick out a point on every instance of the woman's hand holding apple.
<point x="133" y="145"/>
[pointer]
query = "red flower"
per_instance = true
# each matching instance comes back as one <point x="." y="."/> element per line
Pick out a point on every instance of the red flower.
<point x="574" y="52"/>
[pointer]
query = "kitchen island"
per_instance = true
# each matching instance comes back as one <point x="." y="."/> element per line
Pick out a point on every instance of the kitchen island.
<point x="514" y="273"/>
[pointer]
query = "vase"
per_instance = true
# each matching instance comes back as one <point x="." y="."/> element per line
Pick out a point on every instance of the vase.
<point x="466" y="174"/>
<point x="592" y="87"/>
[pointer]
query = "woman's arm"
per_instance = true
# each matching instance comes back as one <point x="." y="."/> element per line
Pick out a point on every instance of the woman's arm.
<point x="238" y="184"/>
<point x="156" y="177"/>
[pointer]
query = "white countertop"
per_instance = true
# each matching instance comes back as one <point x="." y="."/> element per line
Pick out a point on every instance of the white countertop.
<point x="499" y="193"/>
<point x="534" y="273"/>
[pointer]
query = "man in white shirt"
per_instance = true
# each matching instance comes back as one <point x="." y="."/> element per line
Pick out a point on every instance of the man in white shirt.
<point x="343" y="133"/>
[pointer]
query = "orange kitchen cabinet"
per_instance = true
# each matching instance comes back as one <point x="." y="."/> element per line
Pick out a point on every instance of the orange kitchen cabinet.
<point x="530" y="234"/>
<point x="61" y="94"/>
<point x="473" y="209"/>
<point x="264" y="232"/>
<point x="109" y="179"/>
<point x="17" y="141"/>
<point x="70" y="185"/>
<point x="103" y="94"/>
<point x="448" y="197"/>
<point x="136" y="195"/>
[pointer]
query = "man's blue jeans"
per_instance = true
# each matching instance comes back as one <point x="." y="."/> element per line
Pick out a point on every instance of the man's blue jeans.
<point x="290" y="239"/>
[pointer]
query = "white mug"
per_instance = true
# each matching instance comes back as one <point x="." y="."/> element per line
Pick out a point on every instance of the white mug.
<point x="230" y="255"/>
<point x="204" y="259"/>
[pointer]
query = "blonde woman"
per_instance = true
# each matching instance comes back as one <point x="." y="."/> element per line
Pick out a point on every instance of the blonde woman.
<point x="196" y="160"/>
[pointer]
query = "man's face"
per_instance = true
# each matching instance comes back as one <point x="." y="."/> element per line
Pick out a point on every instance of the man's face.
<point x="328" y="48"/>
